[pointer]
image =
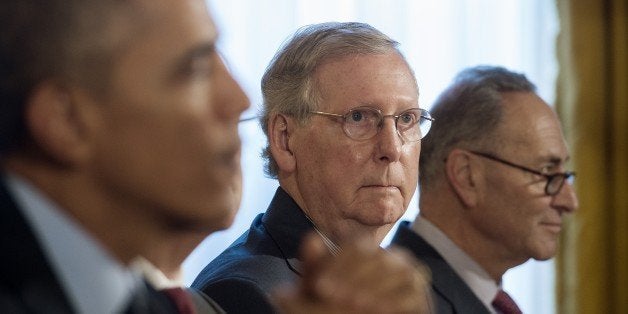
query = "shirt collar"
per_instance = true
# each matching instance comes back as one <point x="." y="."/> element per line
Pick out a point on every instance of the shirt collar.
<point x="92" y="279"/>
<point x="153" y="274"/>
<point x="478" y="280"/>
<point x="333" y="248"/>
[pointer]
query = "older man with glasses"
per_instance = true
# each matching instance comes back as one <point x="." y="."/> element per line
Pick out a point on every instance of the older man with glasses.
<point x="344" y="127"/>
<point x="493" y="189"/>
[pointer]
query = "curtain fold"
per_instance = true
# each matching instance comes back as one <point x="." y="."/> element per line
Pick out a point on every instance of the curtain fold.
<point x="592" y="101"/>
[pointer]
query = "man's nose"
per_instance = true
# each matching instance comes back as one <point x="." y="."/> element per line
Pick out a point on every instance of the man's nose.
<point x="566" y="200"/>
<point x="389" y="141"/>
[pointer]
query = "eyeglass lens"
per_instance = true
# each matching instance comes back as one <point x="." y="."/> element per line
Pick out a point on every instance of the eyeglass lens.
<point x="365" y="122"/>
<point x="556" y="182"/>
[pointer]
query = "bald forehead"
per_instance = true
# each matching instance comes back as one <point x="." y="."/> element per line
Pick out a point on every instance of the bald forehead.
<point x="329" y="70"/>
<point x="522" y="109"/>
<point x="529" y="125"/>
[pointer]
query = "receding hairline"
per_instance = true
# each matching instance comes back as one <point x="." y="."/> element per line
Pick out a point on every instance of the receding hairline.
<point x="347" y="57"/>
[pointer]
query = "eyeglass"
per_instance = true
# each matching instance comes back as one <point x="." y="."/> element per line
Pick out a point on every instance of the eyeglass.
<point x="554" y="181"/>
<point x="363" y="123"/>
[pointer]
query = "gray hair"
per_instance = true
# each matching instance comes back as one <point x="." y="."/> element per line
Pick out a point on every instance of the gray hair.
<point x="466" y="114"/>
<point x="288" y="86"/>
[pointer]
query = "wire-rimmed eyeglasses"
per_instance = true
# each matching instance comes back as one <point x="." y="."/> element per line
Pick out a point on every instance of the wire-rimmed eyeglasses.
<point x="554" y="181"/>
<point x="363" y="123"/>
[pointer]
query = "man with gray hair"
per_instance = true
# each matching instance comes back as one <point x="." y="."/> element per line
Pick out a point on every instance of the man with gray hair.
<point x="493" y="189"/>
<point x="118" y="140"/>
<point x="344" y="128"/>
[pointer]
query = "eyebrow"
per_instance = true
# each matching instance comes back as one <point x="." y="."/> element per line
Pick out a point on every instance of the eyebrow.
<point x="376" y="106"/>
<point x="182" y="65"/>
<point x="556" y="161"/>
<point x="201" y="51"/>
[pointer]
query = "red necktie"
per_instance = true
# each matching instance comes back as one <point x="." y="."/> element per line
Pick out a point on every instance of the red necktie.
<point x="181" y="299"/>
<point x="504" y="304"/>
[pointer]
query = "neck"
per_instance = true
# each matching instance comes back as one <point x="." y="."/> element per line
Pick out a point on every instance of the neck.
<point x="170" y="254"/>
<point x="339" y="231"/>
<point x="346" y="231"/>
<point x="123" y="231"/>
<point x="450" y="219"/>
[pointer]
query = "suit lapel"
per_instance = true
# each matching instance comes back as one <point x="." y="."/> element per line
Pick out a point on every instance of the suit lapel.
<point x="448" y="287"/>
<point x="287" y="225"/>
<point x="25" y="276"/>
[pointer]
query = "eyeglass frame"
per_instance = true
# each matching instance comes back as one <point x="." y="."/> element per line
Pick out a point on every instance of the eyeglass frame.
<point x="423" y="114"/>
<point x="566" y="176"/>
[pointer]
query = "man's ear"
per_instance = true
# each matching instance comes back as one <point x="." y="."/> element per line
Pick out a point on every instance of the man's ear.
<point x="462" y="176"/>
<point x="279" y="130"/>
<point x="54" y="124"/>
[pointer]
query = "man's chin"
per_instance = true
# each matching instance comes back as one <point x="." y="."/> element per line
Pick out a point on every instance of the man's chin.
<point x="546" y="253"/>
<point x="381" y="222"/>
<point x="207" y="220"/>
<point x="227" y="221"/>
<point x="220" y="218"/>
<point x="385" y="214"/>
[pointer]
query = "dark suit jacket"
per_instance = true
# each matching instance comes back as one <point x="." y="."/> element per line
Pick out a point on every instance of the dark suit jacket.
<point x="449" y="292"/>
<point x="204" y="304"/>
<point x="27" y="282"/>
<point x="241" y="278"/>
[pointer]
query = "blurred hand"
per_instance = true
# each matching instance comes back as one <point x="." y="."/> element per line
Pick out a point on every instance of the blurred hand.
<point x="361" y="279"/>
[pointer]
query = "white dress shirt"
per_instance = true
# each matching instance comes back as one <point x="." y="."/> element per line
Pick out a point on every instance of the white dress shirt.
<point x="91" y="278"/>
<point x="154" y="275"/>
<point x="481" y="284"/>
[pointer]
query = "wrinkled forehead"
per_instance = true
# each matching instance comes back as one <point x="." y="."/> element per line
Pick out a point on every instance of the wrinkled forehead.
<point x="374" y="78"/>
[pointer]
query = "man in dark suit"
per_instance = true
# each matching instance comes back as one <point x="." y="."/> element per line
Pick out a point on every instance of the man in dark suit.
<point x="493" y="189"/>
<point x="118" y="139"/>
<point x="118" y="134"/>
<point x="344" y="128"/>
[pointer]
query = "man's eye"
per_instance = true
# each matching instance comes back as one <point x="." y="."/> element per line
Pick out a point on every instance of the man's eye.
<point x="357" y="116"/>
<point x="198" y="67"/>
<point x="407" y="118"/>
<point x="202" y="67"/>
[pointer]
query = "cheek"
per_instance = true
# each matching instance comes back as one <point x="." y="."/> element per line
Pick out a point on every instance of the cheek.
<point x="521" y="218"/>
<point x="331" y="171"/>
<point x="500" y="215"/>
<point x="409" y="170"/>
<point x="322" y="151"/>
<point x="410" y="158"/>
<point x="167" y="141"/>
<point x="348" y="165"/>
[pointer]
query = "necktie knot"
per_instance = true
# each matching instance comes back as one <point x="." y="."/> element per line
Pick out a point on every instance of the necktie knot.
<point x="181" y="299"/>
<point x="504" y="304"/>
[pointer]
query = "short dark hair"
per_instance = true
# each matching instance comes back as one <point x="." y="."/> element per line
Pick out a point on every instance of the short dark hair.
<point x="62" y="40"/>
<point x="466" y="114"/>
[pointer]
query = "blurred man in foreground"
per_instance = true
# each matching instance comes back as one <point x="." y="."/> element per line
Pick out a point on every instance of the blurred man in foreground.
<point x="119" y="139"/>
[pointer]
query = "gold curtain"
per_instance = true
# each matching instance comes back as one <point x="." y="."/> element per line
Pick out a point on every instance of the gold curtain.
<point x="592" y="266"/>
